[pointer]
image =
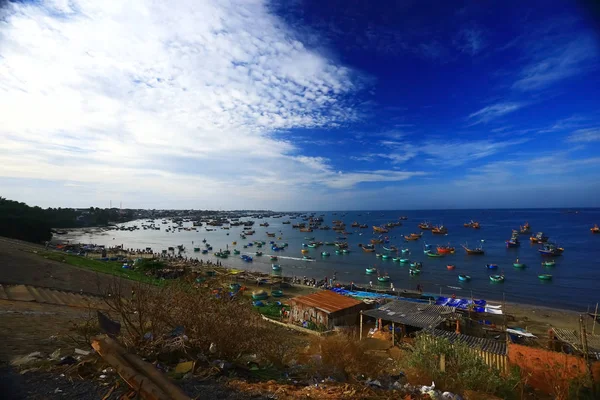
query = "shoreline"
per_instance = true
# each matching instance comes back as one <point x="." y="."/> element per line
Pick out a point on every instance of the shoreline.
<point x="537" y="319"/>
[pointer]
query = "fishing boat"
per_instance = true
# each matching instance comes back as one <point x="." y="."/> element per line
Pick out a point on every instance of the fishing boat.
<point x="307" y="258"/>
<point x="259" y="295"/>
<point x="396" y="259"/>
<point x="551" y="250"/>
<point x="258" y="253"/>
<point x="205" y="251"/>
<point x="595" y="229"/>
<point x="371" y="271"/>
<point x="276" y="293"/>
<point x="474" y="251"/>
<point x="439" y="230"/>
<point x="411" y="238"/>
<point x="196" y="249"/>
<point x="276" y="267"/>
<point x="450" y="266"/>
<point x="378" y="255"/>
<point x="405" y="251"/>
<point x="355" y="224"/>
<point x="273" y="258"/>
<point x="549" y="263"/>
<point x="414" y="271"/>
<point x="445" y="249"/>
<point x="525" y="229"/>
<point x="368" y="248"/>
<point x="385" y="256"/>
<point x="246" y="258"/>
<point x="345" y="251"/>
<point x="270" y="234"/>
<point x="464" y="278"/>
<point x="380" y="229"/>
<point x="426" y="226"/>
<point x="404" y="261"/>
<point x="491" y="266"/>
<point x="304" y="251"/>
<point x="363" y="226"/>
<point x="518" y="264"/>
<point x="416" y="264"/>
<point x="472" y="224"/>
<point x="539" y="237"/>
<point x="403" y="218"/>
<point x="383" y="278"/>
<point x="338" y="251"/>
<point x="545" y="277"/>
<point x="376" y="241"/>
<point x="434" y="255"/>
<point x="309" y="238"/>
<point x="234" y="243"/>
<point x="391" y="248"/>
<point x="325" y="254"/>
<point x="512" y="243"/>
<point x="497" y="278"/>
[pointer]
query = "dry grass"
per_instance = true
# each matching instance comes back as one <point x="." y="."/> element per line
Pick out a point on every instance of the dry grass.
<point x="181" y="320"/>
<point x="343" y="357"/>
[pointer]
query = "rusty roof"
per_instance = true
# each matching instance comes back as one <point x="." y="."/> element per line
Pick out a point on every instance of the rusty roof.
<point x="327" y="301"/>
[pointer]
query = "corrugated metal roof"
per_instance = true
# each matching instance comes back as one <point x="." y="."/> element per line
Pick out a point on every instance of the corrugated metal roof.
<point x="574" y="339"/>
<point x="491" y="346"/>
<point x="413" y="314"/>
<point x="327" y="301"/>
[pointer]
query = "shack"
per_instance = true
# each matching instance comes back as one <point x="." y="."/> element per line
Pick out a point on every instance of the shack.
<point x="411" y="316"/>
<point x="325" y="309"/>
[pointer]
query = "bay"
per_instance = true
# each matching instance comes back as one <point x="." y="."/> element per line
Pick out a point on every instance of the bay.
<point x="576" y="276"/>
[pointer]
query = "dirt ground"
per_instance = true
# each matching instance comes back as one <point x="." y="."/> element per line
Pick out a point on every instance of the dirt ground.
<point x="19" y="265"/>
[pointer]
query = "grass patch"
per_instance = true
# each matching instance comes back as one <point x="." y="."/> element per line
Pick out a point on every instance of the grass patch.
<point x="114" y="268"/>
<point x="272" y="310"/>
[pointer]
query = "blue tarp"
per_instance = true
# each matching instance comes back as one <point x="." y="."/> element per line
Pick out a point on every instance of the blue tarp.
<point x="479" y="305"/>
<point x="441" y="301"/>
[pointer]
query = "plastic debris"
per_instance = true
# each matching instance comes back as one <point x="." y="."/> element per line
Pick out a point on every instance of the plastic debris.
<point x="29" y="358"/>
<point x="184" y="367"/>
<point x="82" y="352"/>
<point x="68" y="360"/>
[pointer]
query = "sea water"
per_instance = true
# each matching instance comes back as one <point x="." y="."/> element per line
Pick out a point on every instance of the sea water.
<point x="576" y="276"/>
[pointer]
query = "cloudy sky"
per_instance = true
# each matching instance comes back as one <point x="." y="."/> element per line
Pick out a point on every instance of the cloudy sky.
<point x="300" y="104"/>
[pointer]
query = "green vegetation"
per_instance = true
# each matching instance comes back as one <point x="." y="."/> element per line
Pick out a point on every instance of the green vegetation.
<point x="465" y="370"/>
<point x="34" y="224"/>
<point x="106" y="267"/>
<point x="272" y="310"/>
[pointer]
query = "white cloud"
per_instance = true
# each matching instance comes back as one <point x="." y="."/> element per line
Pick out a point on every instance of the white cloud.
<point x="494" y="111"/>
<point x="551" y="60"/>
<point x="585" y="135"/>
<point x="189" y="97"/>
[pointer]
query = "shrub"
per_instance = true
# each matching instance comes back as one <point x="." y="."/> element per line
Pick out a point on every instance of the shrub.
<point x="155" y="320"/>
<point x="465" y="370"/>
<point x="342" y="356"/>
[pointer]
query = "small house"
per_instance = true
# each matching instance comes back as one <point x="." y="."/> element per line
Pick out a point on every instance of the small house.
<point x="325" y="309"/>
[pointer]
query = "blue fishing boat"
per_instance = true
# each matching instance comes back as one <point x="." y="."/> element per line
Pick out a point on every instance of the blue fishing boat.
<point x="464" y="278"/>
<point x="491" y="266"/>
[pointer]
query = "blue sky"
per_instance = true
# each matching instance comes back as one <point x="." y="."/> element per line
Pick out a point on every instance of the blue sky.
<point x="300" y="104"/>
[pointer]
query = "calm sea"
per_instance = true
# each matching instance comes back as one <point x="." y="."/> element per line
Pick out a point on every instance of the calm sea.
<point x="576" y="276"/>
